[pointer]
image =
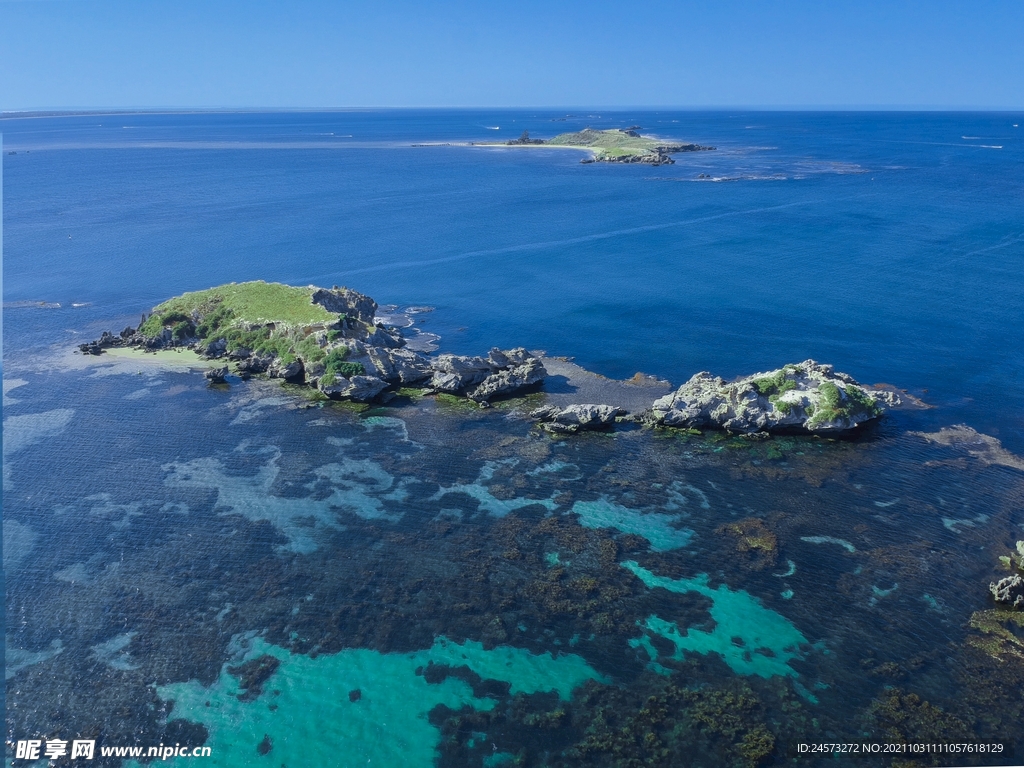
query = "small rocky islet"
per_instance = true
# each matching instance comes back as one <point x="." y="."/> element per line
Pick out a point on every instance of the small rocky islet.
<point x="615" y="145"/>
<point x="333" y="341"/>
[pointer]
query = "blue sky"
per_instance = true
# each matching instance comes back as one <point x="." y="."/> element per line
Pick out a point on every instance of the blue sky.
<point x="308" y="54"/>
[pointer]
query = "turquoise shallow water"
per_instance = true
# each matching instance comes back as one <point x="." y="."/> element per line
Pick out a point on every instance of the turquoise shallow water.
<point x="370" y="708"/>
<point x="494" y="594"/>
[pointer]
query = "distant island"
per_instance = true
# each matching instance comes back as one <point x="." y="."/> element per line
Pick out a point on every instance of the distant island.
<point x="617" y="145"/>
<point x="331" y="340"/>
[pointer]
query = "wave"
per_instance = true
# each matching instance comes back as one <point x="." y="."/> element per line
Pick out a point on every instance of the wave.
<point x="31" y="305"/>
<point x="567" y="241"/>
<point x="706" y="178"/>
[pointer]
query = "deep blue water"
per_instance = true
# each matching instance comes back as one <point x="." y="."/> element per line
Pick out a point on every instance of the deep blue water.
<point x="161" y="534"/>
<point x="891" y="245"/>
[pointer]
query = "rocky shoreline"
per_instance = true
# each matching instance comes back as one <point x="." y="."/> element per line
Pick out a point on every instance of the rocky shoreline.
<point x="346" y="353"/>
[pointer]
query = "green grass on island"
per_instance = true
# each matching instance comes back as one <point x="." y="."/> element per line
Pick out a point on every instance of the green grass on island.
<point x="252" y="303"/>
<point x="613" y="142"/>
<point x="266" y="318"/>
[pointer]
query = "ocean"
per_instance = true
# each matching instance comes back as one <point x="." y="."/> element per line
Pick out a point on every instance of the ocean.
<point x="292" y="583"/>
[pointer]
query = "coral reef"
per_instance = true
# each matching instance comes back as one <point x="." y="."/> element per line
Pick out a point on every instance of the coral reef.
<point x="901" y="718"/>
<point x="671" y="726"/>
<point x="753" y="538"/>
<point x="1000" y="634"/>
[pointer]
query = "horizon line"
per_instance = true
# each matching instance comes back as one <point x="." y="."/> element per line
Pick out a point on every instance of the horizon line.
<point x="111" y="110"/>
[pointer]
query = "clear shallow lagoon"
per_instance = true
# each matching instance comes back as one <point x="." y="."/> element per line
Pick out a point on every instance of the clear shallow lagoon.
<point x="160" y="534"/>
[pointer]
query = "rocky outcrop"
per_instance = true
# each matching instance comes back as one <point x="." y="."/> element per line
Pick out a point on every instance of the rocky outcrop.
<point x="501" y="373"/>
<point x="346" y="302"/>
<point x="576" y="417"/>
<point x="509" y="381"/>
<point x="347" y="353"/>
<point x="807" y="397"/>
<point x="213" y="350"/>
<point x="278" y="369"/>
<point x="1009" y="591"/>
<point x="524" y="138"/>
<point x="360" y="388"/>
<point x="105" y="341"/>
<point x="661" y="155"/>
<point x="456" y="373"/>
<point x="254" y="364"/>
<point x="652" y="158"/>
<point x="217" y="375"/>
<point x="382" y="337"/>
<point x="353" y="356"/>
<point x="399" y="366"/>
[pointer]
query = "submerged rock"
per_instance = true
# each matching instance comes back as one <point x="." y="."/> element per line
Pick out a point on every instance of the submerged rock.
<point x="806" y="397"/>
<point x="576" y="417"/>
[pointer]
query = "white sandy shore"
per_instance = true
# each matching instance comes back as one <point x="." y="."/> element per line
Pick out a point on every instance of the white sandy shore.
<point x="129" y="360"/>
<point x="503" y="145"/>
<point x="164" y="358"/>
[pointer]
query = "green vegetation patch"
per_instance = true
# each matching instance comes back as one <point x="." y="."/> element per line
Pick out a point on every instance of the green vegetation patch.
<point x="613" y="142"/>
<point x="830" y="406"/>
<point x="859" y="399"/>
<point x="309" y="349"/>
<point x="776" y="384"/>
<point x="834" y="405"/>
<point x="335" y="365"/>
<point x="252" y="303"/>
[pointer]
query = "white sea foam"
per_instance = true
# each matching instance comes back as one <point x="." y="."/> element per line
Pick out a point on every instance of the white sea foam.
<point x="546" y="244"/>
<point x="829" y="540"/>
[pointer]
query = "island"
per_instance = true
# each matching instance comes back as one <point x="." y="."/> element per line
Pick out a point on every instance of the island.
<point x="617" y="145"/>
<point x="331" y="340"/>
